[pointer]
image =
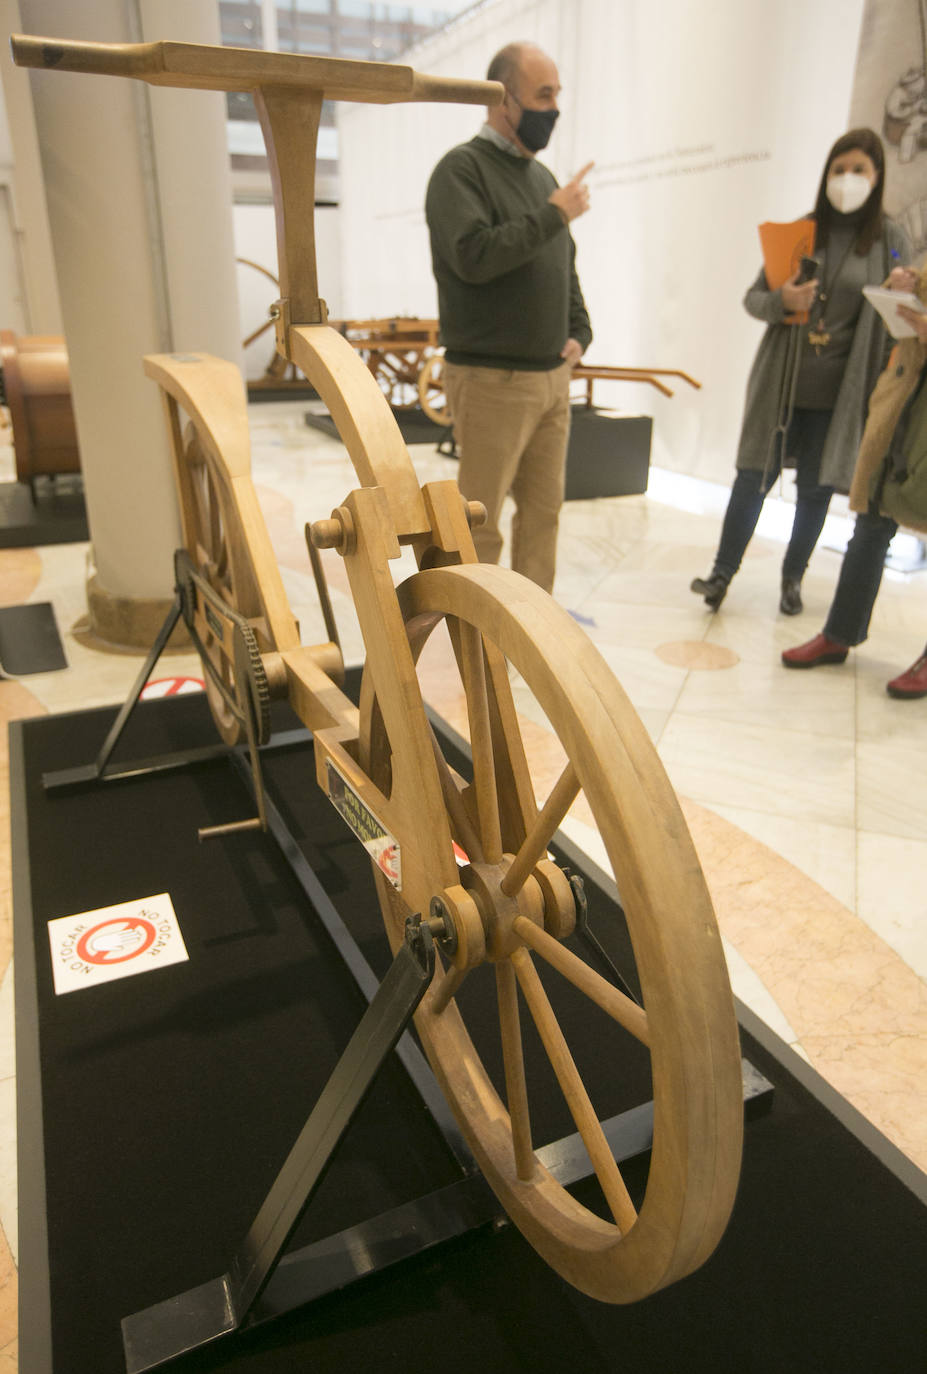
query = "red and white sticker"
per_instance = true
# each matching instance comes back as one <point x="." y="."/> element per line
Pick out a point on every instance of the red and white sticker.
<point x="172" y="687"/>
<point x="114" y="942"/>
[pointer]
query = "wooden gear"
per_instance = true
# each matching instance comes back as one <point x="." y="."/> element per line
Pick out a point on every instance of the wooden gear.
<point x="508" y="905"/>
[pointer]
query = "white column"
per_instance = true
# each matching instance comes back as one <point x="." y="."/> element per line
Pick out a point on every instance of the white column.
<point x="139" y="203"/>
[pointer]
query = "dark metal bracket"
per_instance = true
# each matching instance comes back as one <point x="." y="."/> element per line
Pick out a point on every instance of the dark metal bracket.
<point x="226" y="1304"/>
<point x="98" y="771"/>
<point x="101" y="770"/>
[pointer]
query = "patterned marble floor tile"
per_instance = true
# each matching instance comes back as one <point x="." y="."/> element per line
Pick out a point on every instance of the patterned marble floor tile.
<point x="762" y="694"/>
<point x="825" y="853"/>
<point x="893" y="894"/>
<point x="9" y="1216"/>
<point x="884" y="720"/>
<point x="7" y="1025"/>
<point x="20" y="570"/>
<point x="9" y="1293"/>
<point x="760" y="768"/>
<point x="857" y="1008"/>
<point x="889" y="800"/>
<point x="884" y="1076"/>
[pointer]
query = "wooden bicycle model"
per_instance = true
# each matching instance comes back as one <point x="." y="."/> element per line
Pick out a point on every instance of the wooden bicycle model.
<point x="508" y="905"/>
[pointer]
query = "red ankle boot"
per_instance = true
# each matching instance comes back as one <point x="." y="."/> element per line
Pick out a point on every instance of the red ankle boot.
<point x="911" y="683"/>
<point x="816" y="651"/>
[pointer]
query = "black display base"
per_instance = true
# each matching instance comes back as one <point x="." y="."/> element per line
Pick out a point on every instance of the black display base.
<point x="56" y="516"/>
<point x="29" y="640"/>
<point x="609" y="455"/>
<point x="414" y="426"/>
<point x="155" y="1111"/>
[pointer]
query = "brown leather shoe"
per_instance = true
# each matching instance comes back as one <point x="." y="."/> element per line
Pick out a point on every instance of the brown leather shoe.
<point x="816" y="651"/>
<point x="912" y="683"/>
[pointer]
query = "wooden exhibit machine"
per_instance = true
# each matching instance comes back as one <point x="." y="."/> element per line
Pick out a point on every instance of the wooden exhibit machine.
<point x="508" y="905"/>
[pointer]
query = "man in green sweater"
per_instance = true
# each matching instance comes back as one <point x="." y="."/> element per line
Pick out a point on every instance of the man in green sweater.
<point x="513" y="320"/>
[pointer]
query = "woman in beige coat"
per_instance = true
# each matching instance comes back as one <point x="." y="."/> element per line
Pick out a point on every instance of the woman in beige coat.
<point x="889" y="489"/>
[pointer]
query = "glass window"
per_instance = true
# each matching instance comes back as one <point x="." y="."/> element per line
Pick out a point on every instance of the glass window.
<point x="240" y="23"/>
<point x="379" y="30"/>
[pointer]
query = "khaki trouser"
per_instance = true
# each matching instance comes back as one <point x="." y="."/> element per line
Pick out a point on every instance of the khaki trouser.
<point x="511" y="429"/>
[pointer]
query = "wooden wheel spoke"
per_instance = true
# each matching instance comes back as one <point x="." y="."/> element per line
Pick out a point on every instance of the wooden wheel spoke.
<point x="605" y="995"/>
<point x="577" y="1099"/>
<point x="461" y="826"/>
<point x="513" y="1057"/>
<point x="473" y="671"/>
<point x="216" y="542"/>
<point x="198" y="485"/>
<point x="446" y="990"/>
<point x="509" y="752"/>
<point x="534" y="845"/>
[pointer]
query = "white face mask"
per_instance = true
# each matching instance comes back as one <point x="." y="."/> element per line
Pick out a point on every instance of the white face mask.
<point x="848" y="191"/>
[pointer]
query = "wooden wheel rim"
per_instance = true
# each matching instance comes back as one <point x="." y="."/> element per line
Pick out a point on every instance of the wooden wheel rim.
<point x="216" y="556"/>
<point x="431" y="394"/>
<point x="695" y="1054"/>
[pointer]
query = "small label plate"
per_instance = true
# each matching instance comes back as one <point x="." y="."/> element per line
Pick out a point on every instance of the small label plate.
<point x="382" y="847"/>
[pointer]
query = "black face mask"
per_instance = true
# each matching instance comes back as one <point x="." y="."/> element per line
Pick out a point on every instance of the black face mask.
<point x="535" y="127"/>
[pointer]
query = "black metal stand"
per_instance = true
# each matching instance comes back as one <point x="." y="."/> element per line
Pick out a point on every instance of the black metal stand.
<point x="98" y="771"/>
<point x="228" y="1303"/>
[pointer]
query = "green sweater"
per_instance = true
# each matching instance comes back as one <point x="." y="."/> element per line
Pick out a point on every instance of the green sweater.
<point x="503" y="259"/>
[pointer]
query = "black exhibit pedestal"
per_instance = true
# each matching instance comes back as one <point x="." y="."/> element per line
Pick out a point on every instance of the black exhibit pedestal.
<point x="608" y="455"/>
<point x="52" y="513"/>
<point x="154" y="1112"/>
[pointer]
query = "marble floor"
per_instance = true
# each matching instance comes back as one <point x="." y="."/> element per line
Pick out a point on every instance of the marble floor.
<point x="798" y="788"/>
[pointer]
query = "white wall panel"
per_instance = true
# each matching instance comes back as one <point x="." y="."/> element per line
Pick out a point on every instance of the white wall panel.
<point x="703" y="120"/>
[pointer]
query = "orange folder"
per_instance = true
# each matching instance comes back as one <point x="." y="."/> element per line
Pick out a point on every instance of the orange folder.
<point x="784" y="246"/>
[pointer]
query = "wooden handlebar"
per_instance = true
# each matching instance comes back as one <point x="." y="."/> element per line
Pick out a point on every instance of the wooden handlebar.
<point x="201" y="66"/>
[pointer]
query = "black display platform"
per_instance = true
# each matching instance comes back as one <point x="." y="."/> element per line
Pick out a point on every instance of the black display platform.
<point x="29" y="640"/>
<point x="57" y="515"/>
<point x="414" y="425"/>
<point x="609" y="454"/>
<point x="155" y="1111"/>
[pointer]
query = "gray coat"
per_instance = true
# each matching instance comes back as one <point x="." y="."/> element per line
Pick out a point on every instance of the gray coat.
<point x="768" y="406"/>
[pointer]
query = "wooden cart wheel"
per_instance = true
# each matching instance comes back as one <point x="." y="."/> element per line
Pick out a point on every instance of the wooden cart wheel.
<point x="397" y="375"/>
<point x="219" y="555"/>
<point x="516" y="914"/>
<point x="431" y="395"/>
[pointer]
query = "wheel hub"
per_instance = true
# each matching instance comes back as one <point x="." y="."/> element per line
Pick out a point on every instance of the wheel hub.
<point x="497" y="910"/>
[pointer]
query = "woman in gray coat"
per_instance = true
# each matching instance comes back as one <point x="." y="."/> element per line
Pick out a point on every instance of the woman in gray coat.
<point x="810" y="383"/>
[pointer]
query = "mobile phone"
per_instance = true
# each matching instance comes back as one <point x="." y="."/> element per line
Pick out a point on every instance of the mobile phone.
<point x="807" y="270"/>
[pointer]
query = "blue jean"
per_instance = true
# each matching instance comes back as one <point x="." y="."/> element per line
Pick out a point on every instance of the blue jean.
<point x="804" y="442"/>
<point x="860" y="579"/>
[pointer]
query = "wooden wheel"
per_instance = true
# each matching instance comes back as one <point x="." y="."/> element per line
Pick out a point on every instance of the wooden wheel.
<point x="218" y="557"/>
<point x="516" y="914"/>
<point x="225" y="537"/>
<point x="431" y="395"/>
<point x="397" y="374"/>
